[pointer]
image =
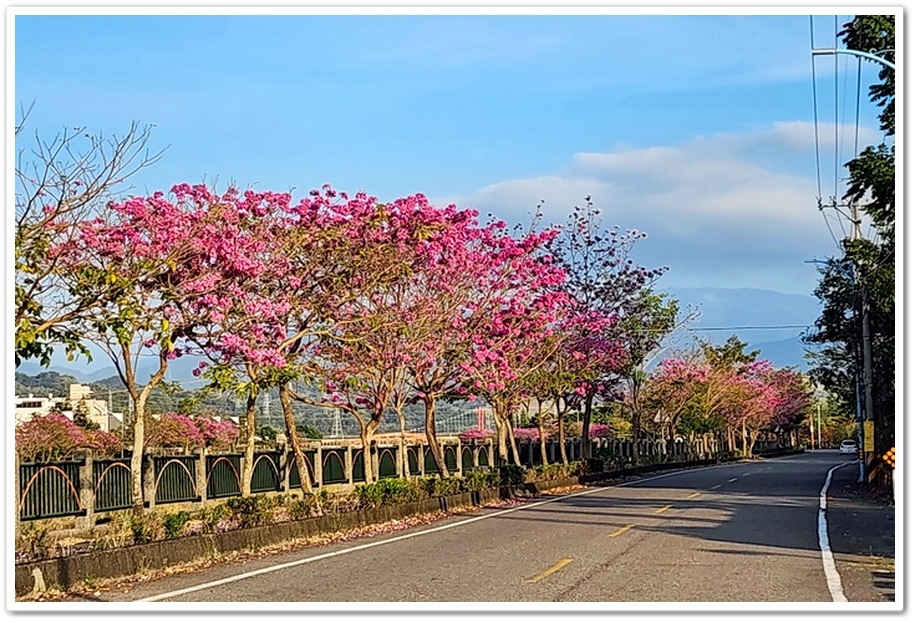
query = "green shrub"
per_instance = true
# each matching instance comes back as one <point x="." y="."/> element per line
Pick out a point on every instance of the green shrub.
<point x="388" y="491"/>
<point x="557" y="471"/>
<point x="256" y="510"/>
<point x="174" y="524"/>
<point x="210" y="516"/>
<point x="511" y="475"/>
<point x="145" y="528"/>
<point x="479" y="480"/>
<point x="35" y="538"/>
<point x="300" y="508"/>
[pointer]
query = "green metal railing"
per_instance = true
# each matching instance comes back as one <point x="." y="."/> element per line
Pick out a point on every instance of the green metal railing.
<point x="49" y="490"/>
<point x="54" y="489"/>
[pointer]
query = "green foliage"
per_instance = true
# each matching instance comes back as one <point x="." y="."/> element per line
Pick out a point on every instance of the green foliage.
<point x="256" y="510"/>
<point x="308" y="431"/>
<point x="174" y="524"/>
<point x="44" y="383"/>
<point x="436" y="486"/>
<point x="876" y="33"/>
<point x="300" y="508"/>
<point x="480" y="480"/>
<point x="730" y="355"/>
<point x="34" y="537"/>
<point x="511" y="475"/>
<point x="558" y="471"/>
<point x="211" y="516"/>
<point x="146" y="527"/>
<point x="388" y="491"/>
<point x="268" y="433"/>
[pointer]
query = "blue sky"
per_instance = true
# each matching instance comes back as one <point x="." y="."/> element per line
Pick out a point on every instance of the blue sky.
<point x="696" y="129"/>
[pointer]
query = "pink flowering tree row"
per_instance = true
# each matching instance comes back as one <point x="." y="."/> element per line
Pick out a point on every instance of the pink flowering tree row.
<point x="370" y="305"/>
<point x="737" y="394"/>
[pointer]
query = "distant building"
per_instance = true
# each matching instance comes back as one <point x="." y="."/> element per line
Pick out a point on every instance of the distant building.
<point x="36" y="406"/>
<point x="79" y="401"/>
<point x="96" y="411"/>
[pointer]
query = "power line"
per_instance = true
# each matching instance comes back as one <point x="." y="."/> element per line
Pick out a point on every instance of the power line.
<point x="748" y="327"/>
<point x="817" y="141"/>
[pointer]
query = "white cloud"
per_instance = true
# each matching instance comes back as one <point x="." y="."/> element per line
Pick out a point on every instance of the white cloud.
<point x="730" y="210"/>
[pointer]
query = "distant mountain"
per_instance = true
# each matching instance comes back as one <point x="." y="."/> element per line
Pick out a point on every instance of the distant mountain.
<point x="766" y="319"/>
<point x="179" y="370"/>
<point x="785" y="353"/>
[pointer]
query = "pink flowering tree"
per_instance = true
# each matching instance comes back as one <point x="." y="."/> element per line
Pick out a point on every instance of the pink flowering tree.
<point x="794" y="397"/>
<point x="519" y="334"/>
<point x="677" y="389"/>
<point x="173" y="430"/>
<point x="218" y="434"/>
<point x="137" y="268"/>
<point x="603" y="280"/>
<point x="243" y="306"/>
<point x="476" y="435"/>
<point x="379" y="326"/>
<point x="55" y="437"/>
<point x="46" y="438"/>
<point x="766" y="399"/>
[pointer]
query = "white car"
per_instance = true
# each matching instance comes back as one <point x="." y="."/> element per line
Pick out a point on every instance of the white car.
<point x="849" y="446"/>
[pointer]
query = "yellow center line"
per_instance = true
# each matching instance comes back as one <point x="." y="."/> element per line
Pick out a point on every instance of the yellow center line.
<point x="551" y="570"/>
<point x="663" y="509"/>
<point x="694" y="495"/>
<point x="621" y="530"/>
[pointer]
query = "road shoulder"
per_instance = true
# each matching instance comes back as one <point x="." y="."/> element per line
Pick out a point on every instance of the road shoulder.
<point x="861" y="527"/>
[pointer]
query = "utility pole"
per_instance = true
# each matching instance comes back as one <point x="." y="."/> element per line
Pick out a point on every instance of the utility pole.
<point x="868" y="447"/>
<point x="820" y="444"/>
<point x="868" y="439"/>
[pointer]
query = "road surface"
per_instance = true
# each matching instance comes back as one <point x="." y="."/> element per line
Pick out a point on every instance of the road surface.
<point x="742" y="532"/>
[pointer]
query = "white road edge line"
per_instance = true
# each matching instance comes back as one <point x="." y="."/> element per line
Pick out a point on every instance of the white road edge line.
<point x="834" y="584"/>
<point x="296" y="563"/>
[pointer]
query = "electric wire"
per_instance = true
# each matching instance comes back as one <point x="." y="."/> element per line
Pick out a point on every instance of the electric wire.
<point x="817" y="143"/>
<point x="754" y="327"/>
<point x="836" y="114"/>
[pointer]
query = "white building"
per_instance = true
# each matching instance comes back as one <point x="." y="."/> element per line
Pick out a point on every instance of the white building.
<point x="31" y="406"/>
<point x="79" y="401"/>
<point x="96" y="410"/>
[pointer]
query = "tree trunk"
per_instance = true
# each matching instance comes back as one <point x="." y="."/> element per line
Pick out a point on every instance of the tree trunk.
<point x="402" y="451"/>
<point x="136" y="457"/>
<point x="248" y="460"/>
<point x="752" y="439"/>
<point x="429" y="403"/>
<point x="561" y="432"/>
<point x="305" y="477"/>
<point x="634" y="434"/>
<point x="744" y="440"/>
<point x="510" y="430"/>
<point x="501" y="438"/>
<point x="585" y="442"/>
<point x="542" y="434"/>
<point x="366" y="432"/>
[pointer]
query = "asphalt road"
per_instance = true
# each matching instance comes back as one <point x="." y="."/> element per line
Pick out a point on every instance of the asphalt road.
<point x="744" y="532"/>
